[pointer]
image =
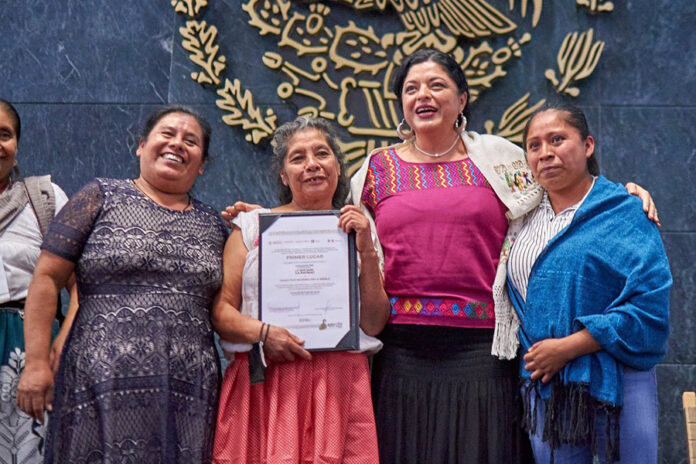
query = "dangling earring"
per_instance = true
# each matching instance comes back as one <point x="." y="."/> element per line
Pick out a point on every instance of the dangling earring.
<point x="404" y="135"/>
<point x="460" y="123"/>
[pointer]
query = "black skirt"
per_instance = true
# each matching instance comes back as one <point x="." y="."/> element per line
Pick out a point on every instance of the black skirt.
<point x="440" y="397"/>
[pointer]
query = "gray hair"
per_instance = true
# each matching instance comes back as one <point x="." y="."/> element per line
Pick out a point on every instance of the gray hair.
<point x="281" y="138"/>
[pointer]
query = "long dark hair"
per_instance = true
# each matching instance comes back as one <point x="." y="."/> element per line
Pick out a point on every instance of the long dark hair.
<point x="575" y="118"/>
<point x="448" y="64"/>
<point x="281" y="138"/>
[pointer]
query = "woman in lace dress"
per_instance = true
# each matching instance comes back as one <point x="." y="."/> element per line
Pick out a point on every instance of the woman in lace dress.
<point x="138" y="379"/>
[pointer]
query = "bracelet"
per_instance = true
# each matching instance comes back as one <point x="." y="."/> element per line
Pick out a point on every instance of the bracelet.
<point x="268" y="329"/>
<point x="263" y="324"/>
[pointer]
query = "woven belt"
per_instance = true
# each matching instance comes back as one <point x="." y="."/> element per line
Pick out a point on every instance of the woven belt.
<point x="16" y="307"/>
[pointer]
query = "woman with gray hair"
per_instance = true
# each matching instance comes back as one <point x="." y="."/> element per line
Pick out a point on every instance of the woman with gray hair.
<point x="311" y="407"/>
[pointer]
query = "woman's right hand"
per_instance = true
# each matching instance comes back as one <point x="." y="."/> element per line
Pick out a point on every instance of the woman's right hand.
<point x="282" y="346"/>
<point x="231" y="212"/>
<point x="35" y="390"/>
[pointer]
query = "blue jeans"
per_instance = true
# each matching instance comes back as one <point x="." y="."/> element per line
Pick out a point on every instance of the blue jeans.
<point x="638" y="422"/>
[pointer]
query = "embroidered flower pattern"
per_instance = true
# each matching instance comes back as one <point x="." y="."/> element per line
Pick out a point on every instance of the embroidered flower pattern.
<point x="19" y="444"/>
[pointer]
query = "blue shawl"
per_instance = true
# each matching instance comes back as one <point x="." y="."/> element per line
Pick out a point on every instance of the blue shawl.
<point x="607" y="271"/>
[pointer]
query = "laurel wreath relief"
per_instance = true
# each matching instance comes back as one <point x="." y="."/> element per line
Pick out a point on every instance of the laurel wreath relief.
<point x="342" y="72"/>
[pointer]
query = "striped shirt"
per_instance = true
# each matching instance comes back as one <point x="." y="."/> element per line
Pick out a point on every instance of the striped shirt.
<point x="538" y="230"/>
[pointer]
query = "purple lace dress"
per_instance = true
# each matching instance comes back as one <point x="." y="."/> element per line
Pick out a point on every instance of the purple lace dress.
<point x="139" y="375"/>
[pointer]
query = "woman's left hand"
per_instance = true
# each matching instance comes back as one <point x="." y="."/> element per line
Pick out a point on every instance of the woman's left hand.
<point x="549" y="356"/>
<point x="647" y="199"/>
<point x="546" y="357"/>
<point x="354" y="219"/>
<point x="231" y="212"/>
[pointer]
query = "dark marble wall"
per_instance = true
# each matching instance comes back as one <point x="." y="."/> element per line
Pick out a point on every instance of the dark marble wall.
<point x="85" y="74"/>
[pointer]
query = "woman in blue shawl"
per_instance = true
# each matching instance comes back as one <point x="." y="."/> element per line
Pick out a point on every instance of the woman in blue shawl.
<point x="589" y="279"/>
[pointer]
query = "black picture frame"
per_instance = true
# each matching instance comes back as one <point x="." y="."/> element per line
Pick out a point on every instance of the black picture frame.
<point x="351" y="341"/>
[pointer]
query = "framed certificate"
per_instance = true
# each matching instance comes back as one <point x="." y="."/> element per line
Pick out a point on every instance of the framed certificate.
<point x="308" y="278"/>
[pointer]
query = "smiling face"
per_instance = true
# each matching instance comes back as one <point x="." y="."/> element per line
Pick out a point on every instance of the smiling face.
<point x="431" y="100"/>
<point x="310" y="170"/>
<point x="171" y="156"/>
<point x="8" y="147"/>
<point x="556" y="152"/>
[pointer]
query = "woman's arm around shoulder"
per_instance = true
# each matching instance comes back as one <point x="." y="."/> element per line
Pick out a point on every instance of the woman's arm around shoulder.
<point x="649" y="206"/>
<point x="231" y="212"/>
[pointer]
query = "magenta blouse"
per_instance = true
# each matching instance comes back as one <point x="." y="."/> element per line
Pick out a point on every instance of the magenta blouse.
<point x="441" y="227"/>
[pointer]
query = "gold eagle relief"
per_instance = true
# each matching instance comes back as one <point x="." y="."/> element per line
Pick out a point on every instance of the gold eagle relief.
<point x="342" y="72"/>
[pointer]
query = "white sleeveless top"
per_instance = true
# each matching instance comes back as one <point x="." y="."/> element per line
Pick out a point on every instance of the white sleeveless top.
<point x="20" y="245"/>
